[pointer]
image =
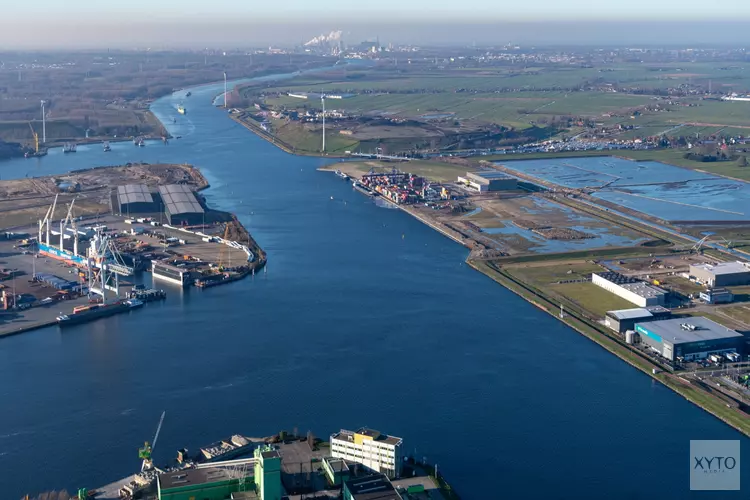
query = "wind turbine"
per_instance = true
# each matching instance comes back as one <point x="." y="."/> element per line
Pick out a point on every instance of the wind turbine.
<point x="44" y="124"/>
<point x="323" y="102"/>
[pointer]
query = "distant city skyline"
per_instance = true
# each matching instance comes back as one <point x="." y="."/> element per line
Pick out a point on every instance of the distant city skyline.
<point x="189" y="29"/>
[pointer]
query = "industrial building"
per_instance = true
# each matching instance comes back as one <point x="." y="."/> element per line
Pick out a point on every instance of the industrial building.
<point x="489" y="180"/>
<point x="376" y="487"/>
<point x="257" y="478"/>
<point x="633" y="290"/>
<point x="180" y="205"/>
<point x="722" y="274"/>
<point x="336" y="470"/>
<point x="378" y="452"/>
<point x="625" y="319"/>
<point x="689" y="338"/>
<point x="172" y="274"/>
<point x="716" y="296"/>
<point x="135" y="198"/>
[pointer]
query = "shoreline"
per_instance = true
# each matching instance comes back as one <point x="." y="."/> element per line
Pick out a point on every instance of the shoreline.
<point x="674" y="382"/>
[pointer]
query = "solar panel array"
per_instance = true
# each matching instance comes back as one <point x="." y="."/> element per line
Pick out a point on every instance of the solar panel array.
<point x="134" y="193"/>
<point x="180" y="199"/>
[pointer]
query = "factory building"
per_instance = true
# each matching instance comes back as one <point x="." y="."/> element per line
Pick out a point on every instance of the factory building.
<point x="376" y="487"/>
<point x="258" y="478"/>
<point x="625" y="319"/>
<point x="180" y="205"/>
<point x="689" y="338"/>
<point x="716" y="296"/>
<point x="378" y="452"/>
<point x="486" y="181"/>
<point x="722" y="274"/>
<point x="636" y="291"/>
<point x="135" y="198"/>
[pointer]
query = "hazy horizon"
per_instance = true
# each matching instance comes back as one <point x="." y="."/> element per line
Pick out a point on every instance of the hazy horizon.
<point x="187" y="33"/>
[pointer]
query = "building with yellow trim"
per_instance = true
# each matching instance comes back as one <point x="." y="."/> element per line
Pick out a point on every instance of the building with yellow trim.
<point x="374" y="450"/>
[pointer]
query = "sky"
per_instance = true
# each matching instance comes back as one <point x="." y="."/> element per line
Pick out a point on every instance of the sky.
<point x="236" y="23"/>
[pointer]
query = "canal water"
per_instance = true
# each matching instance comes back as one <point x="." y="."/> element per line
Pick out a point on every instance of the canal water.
<point x="364" y="317"/>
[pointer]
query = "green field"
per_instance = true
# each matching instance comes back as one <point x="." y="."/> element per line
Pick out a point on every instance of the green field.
<point x="546" y="274"/>
<point x="591" y="297"/>
<point x="309" y="139"/>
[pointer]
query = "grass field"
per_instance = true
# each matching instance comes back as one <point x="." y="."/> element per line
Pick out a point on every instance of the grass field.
<point x="543" y="274"/>
<point x="591" y="297"/>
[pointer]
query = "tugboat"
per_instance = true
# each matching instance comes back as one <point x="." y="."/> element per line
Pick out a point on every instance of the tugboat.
<point x="134" y="303"/>
<point x="107" y="147"/>
<point x="69" y="147"/>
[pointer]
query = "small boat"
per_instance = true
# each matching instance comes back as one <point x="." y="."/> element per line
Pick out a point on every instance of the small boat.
<point x="188" y="94"/>
<point x="107" y="147"/>
<point x="69" y="147"/>
<point x="181" y="109"/>
<point x="134" y="303"/>
<point x="174" y="120"/>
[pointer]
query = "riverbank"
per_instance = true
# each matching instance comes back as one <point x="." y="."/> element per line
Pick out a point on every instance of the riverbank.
<point x="709" y="402"/>
<point x="719" y="405"/>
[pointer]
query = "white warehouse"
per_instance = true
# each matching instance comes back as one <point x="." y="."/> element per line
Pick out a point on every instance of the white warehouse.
<point x="636" y="291"/>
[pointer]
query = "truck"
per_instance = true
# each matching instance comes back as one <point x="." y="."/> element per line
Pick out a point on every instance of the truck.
<point x="715" y="358"/>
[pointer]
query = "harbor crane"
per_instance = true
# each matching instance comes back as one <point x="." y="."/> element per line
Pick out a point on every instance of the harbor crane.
<point x="146" y="452"/>
<point x="46" y="222"/>
<point x="69" y="219"/>
<point x="36" y="138"/>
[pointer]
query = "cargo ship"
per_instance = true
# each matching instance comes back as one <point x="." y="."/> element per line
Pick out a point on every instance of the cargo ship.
<point x="86" y="313"/>
<point x="221" y="278"/>
<point x="134" y="303"/>
<point x="181" y="109"/>
<point x="147" y="295"/>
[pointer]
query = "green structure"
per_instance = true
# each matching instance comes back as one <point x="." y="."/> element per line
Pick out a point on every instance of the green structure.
<point x="267" y="473"/>
<point x="336" y="470"/>
<point x="199" y="484"/>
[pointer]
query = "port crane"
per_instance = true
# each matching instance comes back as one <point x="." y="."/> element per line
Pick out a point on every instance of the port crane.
<point x="69" y="220"/>
<point x="36" y="138"/>
<point x="46" y="222"/>
<point x="147" y="450"/>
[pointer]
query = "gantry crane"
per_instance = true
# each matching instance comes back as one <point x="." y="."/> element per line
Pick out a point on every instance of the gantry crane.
<point x="36" y="138"/>
<point x="224" y="250"/>
<point x="145" y="452"/>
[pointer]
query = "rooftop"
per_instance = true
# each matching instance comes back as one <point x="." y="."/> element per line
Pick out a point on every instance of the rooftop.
<point x="180" y="199"/>
<point x="376" y="487"/>
<point x="337" y="464"/>
<point x="638" y="287"/>
<point x="490" y="174"/>
<point x="194" y="477"/>
<point x="724" y="268"/>
<point x="679" y="330"/>
<point x="375" y="435"/>
<point x="134" y="193"/>
<point x="637" y="313"/>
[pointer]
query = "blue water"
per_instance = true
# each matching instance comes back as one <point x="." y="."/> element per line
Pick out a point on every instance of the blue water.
<point x="365" y="317"/>
<point x="661" y="190"/>
<point x="603" y="236"/>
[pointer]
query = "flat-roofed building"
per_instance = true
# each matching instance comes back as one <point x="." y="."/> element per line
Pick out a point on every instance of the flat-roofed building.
<point x="135" y="198"/>
<point x="633" y="290"/>
<point x="488" y="180"/>
<point x="375" y="487"/>
<point x="180" y="205"/>
<point x="625" y="319"/>
<point x="376" y="451"/>
<point x="689" y="338"/>
<point x="722" y="274"/>
<point x="716" y="296"/>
